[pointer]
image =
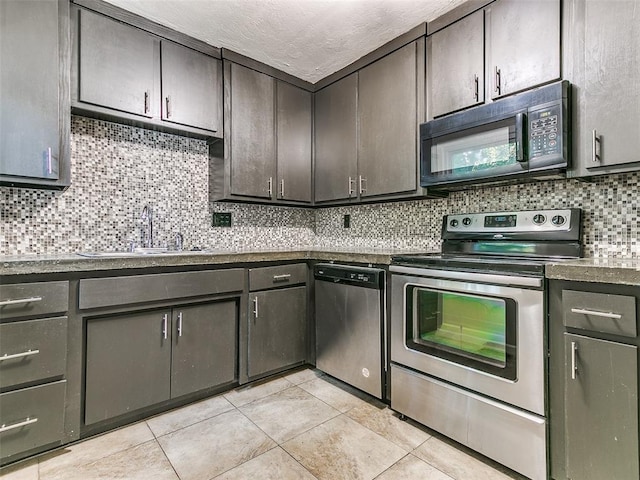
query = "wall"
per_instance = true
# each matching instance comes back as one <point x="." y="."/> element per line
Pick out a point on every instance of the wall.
<point x="117" y="169"/>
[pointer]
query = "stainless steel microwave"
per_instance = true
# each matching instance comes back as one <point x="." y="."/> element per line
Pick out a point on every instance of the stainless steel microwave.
<point x="525" y="135"/>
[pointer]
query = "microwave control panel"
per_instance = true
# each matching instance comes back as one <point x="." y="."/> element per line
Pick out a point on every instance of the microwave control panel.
<point x="545" y="134"/>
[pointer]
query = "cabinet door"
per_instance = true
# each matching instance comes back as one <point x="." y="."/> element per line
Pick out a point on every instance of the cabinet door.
<point x="523" y="44"/>
<point x="29" y="91"/>
<point x="388" y="123"/>
<point x="128" y="360"/>
<point x="253" y="155"/>
<point x="611" y="91"/>
<point x="277" y="329"/>
<point x="601" y="409"/>
<point x="456" y="66"/>
<point x="336" y="145"/>
<point x="117" y="65"/>
<point x="191" y="88"/>
<point x="294" y="143"/>
<point x="204" y="347"/>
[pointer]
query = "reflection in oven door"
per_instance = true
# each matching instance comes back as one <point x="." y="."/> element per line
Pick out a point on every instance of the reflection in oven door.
<point x="476" y="343"/>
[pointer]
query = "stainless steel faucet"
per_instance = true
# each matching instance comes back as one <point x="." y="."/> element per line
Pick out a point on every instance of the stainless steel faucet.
<point x="146" y="227"/>
<point x="179" y="242"/>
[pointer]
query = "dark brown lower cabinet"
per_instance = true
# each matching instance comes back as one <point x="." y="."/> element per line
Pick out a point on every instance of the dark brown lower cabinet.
<point x="140" y="359"/>
<point x="601" y="409"/>
<point x="277" y="329"/>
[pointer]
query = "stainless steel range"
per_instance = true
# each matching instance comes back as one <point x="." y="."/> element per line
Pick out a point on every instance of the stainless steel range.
<point x="468" y="332"/>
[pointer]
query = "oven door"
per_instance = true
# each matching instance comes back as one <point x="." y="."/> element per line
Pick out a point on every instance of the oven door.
<point x="483" y="332"/>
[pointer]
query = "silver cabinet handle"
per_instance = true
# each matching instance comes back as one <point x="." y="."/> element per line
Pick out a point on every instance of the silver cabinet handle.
<point x="28" y="353"/>
<point x="594" y="313"/>
<point x="351" y="191"/>
<point x="180" y="324"/>
<point x="25" y="422"/>
<point x="49" y="163"/>
<point x="165" y="326"/>
<point x="168" y="105"/>
<point x="147" y="94"/>
<point x="574" y="364"/>
<point x="362" y="185"/>
<point x="282" y="188"/>
<point x="255" y="307"/>
<point x="595" y="143"/>
<point x="20" y="300"/>
<point x="281" y="278"/>
<point x="497" y="80"/>
<point x="476" y="90"/>
<point x="270" y="187"/>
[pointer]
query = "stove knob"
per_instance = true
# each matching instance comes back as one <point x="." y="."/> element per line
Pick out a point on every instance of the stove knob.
<point x="453" y="223"/>
<point x="558" y="220"/>
<point x="466" y="221"/>
<point x="539" y="219"/>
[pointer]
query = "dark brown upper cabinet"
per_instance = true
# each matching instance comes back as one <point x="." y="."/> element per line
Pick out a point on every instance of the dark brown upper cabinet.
<point x="126" y="74"/>
<point x="34" y="98"/>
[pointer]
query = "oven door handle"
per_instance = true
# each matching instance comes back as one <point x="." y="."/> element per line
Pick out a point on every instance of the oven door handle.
<point x="507" y="280"/>
<point x="521" y="135"/>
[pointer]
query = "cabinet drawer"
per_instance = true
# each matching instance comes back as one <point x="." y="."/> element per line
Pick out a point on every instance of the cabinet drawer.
<point x="600" y="312"/>
<point x="31" y="418"/>
<point x="270" y="277"/>
<point x="105" y="292"/>
<point x="32" y="299"/>
<point x="32" y="350"/>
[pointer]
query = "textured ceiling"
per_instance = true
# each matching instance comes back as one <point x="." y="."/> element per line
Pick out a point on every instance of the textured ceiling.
<point x="309" y="39"/>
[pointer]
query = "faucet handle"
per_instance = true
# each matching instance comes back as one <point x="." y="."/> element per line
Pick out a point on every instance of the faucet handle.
<point x="179" y="242"/>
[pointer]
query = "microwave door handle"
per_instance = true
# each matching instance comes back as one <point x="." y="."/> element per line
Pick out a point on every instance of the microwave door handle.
<point x="521" y="135"/>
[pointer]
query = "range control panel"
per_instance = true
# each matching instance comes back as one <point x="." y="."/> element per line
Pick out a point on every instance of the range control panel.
<point x="527" y="221"/>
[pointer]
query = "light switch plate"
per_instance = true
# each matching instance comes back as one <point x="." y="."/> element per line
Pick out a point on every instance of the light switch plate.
<point x="221" y="219"/>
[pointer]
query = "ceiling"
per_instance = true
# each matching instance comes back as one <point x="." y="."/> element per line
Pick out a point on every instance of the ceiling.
<point x="309" y="39"/>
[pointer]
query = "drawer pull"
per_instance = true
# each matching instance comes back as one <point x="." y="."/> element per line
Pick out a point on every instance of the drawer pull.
<point x="20" y="300"/>
<point x="574" y="363"/>
<point x="281" y="278"/>
<point x="28" y="353"/>
<point x="615" y="316"/>
<point x="24" y="423"/>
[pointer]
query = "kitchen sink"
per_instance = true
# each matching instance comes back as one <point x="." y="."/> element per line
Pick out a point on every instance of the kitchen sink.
<point x="138" y="252"/>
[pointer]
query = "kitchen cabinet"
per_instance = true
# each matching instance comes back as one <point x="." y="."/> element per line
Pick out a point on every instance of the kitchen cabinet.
<point x="191" y="87"/>
<point x="336" y="144"/>
<point x="388" y="119"/>
<point x="139" y="359"/>
<point x="523" y="44"/>
<point x="33" y="367"/>
<point x="125" y="73"/>
<point x="267" y="151"/>
<point x="277" y="319"/>
<point x="34" y="106"/>
<point x="593" y="374"/>
<point x="155" y="338"/>
<point x="252" y="145"/>
<point x="508" y="47"/>
<point x="455" y="66"/>
<point x="604" y="50"/>
<point x="366" y="130"/>
<point x="293" y="144"/>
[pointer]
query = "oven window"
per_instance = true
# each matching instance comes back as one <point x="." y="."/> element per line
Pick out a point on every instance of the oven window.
<point x="472" y="330"/>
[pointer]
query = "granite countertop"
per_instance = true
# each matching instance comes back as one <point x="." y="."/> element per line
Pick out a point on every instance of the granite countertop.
<point x="600" y="270"/>
<point x="71" y="262"/>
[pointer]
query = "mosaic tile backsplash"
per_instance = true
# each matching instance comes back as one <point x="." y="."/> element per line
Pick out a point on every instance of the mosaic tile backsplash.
<point x="117" y="170"/>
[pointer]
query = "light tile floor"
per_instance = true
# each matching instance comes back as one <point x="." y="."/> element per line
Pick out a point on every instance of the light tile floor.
<point x="301" y="425"/>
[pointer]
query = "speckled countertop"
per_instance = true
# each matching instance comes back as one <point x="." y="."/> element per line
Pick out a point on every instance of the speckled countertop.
<point x="68" y="263"/>
<point x="601" y="270"/>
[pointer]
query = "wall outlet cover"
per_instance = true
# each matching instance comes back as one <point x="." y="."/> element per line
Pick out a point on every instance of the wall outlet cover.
<point x="346" y="221"/>
<point x="221" y="219"/>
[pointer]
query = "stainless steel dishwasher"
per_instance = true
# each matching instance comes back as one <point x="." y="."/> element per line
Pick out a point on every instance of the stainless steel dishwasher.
<point x="350" y="324"/>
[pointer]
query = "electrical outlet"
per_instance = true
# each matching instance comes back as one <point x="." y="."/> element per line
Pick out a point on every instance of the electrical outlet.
<point x="221" y="219"/>
<point x="346" y="221"/>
